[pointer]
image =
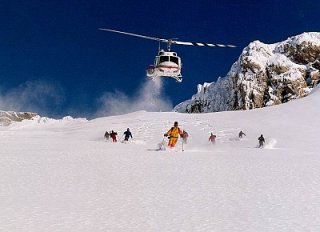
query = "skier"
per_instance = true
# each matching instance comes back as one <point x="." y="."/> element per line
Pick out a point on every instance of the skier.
<point x="113" y="135"/>
<point x="107" y="135"/>
<point x="127" y="134"/>
<point x="212" y="138"/>
<point x="241" y="134"/>
<point x="185" y="136"/>
<point x="261" y="141"/>
<point x="173" y="134"/>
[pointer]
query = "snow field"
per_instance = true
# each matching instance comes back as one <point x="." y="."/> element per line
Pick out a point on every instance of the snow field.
<point x="61" y="175"/>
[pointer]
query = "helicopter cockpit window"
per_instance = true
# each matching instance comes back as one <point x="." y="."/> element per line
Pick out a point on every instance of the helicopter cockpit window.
<point x="174" y="59"/>
<point x="164" y="58"/>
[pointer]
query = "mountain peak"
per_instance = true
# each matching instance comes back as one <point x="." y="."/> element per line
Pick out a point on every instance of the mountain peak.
<point x="263" y="75"/>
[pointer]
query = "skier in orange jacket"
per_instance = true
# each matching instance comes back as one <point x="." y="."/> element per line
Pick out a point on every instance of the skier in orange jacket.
<point x="173" y="134"/>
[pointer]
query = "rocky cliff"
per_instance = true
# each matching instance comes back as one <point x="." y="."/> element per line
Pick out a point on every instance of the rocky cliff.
<point x="264" y="75"/>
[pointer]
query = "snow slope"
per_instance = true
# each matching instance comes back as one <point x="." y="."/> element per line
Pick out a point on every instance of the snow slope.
<point x="61" y="175"/>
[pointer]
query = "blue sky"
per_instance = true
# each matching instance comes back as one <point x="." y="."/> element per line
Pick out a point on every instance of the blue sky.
<point x="55" y="61"/>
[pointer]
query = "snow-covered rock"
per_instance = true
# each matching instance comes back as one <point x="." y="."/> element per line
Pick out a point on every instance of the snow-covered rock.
<point x="264" y="75"/>
<point x="7" y="117"/>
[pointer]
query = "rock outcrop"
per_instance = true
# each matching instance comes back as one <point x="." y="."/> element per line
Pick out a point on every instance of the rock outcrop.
<point x="7" y="117"/>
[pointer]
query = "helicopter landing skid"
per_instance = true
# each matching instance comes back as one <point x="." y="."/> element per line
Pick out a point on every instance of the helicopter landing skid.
<point x="177" y="78"/>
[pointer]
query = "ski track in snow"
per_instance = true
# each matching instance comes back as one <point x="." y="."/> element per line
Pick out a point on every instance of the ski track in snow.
<point x="63" y="176"/>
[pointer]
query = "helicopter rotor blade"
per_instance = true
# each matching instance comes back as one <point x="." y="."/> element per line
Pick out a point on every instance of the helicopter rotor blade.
<point x="136" y="35"/>
<point x="170" y="41"/>
<point x="203" y="44"/>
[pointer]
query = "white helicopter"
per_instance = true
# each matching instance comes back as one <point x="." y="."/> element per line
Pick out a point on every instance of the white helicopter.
<point x="167" y="63"/>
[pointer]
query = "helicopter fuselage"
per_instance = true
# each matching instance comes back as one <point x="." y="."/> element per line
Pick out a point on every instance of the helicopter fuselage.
<point x="166" y="64"/>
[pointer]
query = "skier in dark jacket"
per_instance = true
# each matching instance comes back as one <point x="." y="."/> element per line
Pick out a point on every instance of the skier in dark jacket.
<point x="127" y="134"/>
<point x="261" y="141"/>
<point x="212" y="138"/>
<point x="107" y="135"/>
<point x="241" y="134"/>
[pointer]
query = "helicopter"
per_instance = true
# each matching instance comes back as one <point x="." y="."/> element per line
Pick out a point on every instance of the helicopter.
<point x="167" y="63"/>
